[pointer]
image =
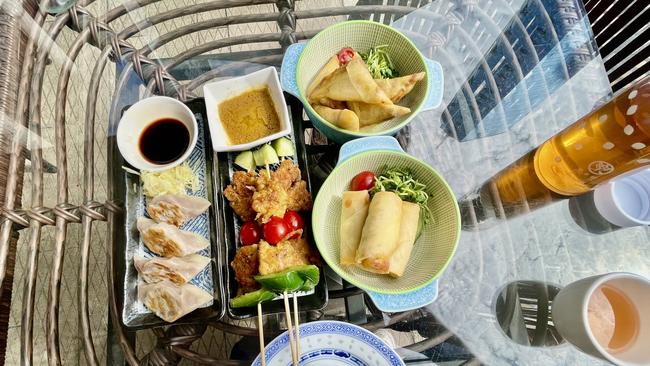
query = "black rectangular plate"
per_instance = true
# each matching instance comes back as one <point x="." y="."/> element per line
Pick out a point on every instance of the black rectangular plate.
<point x="225" y="167"/>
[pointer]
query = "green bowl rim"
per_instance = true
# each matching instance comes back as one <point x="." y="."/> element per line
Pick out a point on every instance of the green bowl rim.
<point x="336" y="267"/>
<point x="414" y="112"/>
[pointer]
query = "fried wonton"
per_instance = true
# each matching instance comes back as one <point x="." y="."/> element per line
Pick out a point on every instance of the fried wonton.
<point x="350" y="83"/>
<point x="397" y="88"/>
<point x="343" y="118"/>
<point x="331" y="65"/>
<point x="334" y="104"/>
<point x="374" y="113"/>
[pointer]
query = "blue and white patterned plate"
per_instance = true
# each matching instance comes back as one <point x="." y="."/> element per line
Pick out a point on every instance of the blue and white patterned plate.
<point x="332" y="343"/>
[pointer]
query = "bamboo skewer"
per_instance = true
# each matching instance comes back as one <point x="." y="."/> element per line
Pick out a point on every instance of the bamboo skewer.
<point x="290" y="329"/>
<point x="296" y="324"/>
<point x="260" y="328"/>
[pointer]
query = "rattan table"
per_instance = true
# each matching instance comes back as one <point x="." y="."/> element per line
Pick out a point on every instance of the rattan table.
<point x="515" y="73"/>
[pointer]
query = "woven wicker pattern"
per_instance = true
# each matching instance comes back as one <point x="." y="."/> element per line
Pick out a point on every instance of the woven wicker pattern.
<point x="361" y="35"/>
<point x="432" y="250"/>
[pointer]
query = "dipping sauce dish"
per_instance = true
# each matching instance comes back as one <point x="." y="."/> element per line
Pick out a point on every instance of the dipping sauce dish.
<point x="157" y="133"/>
<point x="246" y="102"/>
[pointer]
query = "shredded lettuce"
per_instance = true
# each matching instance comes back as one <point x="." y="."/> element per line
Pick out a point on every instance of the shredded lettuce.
<point x="379" y="63"/>
<point x="401" y="182"/>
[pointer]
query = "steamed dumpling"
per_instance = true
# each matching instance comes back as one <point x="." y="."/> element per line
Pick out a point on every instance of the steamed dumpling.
<point x="397" y="88"/>
<point x="178" y="270"/>
<point x="168" y="240"/>
<point x="350" y="83"/>
<point x="175" y="209"/>
<point x="169" y="301"/>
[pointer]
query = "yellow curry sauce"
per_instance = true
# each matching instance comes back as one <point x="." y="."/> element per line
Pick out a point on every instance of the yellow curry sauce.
<point x="249" y="116"/>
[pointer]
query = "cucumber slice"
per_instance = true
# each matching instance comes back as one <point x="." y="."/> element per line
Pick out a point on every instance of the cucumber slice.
<point x="283" y="147"/>
<point x="257" y="156"/>
<point x="245" y="160"/>
<point x="251" y="298"/>
<point x="265" y="155"/>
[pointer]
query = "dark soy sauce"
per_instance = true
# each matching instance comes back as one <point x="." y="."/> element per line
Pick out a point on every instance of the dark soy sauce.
<point x="164" y="141"/>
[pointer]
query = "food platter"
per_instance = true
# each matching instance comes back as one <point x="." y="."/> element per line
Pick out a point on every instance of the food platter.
<point x="224" y="165"/>
<point x="241" y="199"/>
<point x="219" y="224"/>
<point x="134" y="314"/>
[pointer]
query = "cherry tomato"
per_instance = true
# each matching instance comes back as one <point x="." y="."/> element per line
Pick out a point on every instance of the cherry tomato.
<point x="363" y="181"/>
<point x="250" y="233"/>
<point x="345" y="55"/>
<point x="275" y="230"/>
<point x="294" y="222"/>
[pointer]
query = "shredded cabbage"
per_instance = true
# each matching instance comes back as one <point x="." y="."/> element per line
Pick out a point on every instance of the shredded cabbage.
<point x="174" y="181"/>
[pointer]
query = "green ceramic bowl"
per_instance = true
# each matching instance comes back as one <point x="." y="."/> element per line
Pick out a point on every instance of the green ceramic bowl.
<point x="303" y="62"/>
<point x="434" y="248"/>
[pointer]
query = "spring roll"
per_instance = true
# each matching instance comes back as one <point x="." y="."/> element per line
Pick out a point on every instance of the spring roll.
<point x="354" y="210"/>
<point x="408" y="230"/>
<point x="380" y="233"/>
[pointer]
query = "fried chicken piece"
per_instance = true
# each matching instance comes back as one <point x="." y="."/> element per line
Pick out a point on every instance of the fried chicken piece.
<point x="245" y="265"/>
<point x="299" y="197"/>
<point x="240" y="194"/>
<point x="287" y="174"/>
<point x="305" y="250"/>
<point x="270" y="199"/>
<point x="285" y="254"/>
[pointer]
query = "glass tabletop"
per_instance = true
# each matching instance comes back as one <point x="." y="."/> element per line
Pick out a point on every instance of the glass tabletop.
<point x="515" y="73"/>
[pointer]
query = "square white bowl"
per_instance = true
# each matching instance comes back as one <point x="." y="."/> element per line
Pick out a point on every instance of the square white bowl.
<point x="219" y="91"/>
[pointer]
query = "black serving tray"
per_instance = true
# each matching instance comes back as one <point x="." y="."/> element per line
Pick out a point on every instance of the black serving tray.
<point x="224" y="165"/>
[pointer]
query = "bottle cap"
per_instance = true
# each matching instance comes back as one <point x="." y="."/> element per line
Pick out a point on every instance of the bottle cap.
<point x="625" y="201"/>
